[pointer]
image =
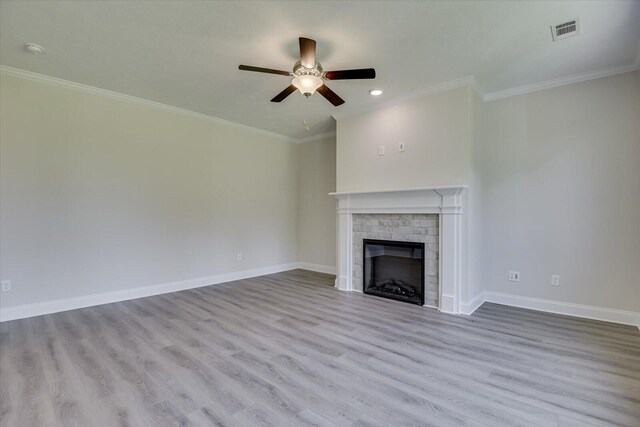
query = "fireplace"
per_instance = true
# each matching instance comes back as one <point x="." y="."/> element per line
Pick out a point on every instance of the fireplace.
<point x="446" y="251"/>
<point x="394" y="269"/>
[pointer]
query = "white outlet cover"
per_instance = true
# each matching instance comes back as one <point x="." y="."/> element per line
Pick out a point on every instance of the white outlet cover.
<point x="514" y="276"/>
<point x="6" y="285"/>
<point x="381" y="151"/>
<point x="555" y="280"/>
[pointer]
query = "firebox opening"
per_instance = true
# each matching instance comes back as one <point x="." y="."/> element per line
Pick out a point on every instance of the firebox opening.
<point x="393" y="269"/>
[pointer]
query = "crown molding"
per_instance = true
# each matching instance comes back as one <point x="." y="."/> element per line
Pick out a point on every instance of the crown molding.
<point x="468" y="81"/>
<point x="475" y="86"/>
<point x="29" y="75"/>
<point x="431" y="90"/>
<point x="562" y="81"/>
<point x="472" y="83"/>
<point x="316" y="137"/>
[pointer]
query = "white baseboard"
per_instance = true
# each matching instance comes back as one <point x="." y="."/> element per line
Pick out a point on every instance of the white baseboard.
<point x="587" y="311"/>
<point x="468" y="307"/>
<point x="48" y="307"/>
<point x="317" y="267"/>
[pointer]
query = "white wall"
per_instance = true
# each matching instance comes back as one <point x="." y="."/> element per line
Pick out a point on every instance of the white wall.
<point x="101" y="195"/>
<point x="474" y="212"/>
<point x="435" y="129"/>
<point x="560" y="183"/>
<point x="554" y="179"/>
<point x="316" y="209"/>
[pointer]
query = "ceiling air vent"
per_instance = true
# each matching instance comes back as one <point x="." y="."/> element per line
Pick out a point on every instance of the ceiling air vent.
<point x="564" y="30"/>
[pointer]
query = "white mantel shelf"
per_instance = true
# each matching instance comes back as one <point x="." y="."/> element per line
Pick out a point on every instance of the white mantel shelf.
<point x="446" y="201"/>
<point x="402" y="190"/>
<point x="425" y="200"/>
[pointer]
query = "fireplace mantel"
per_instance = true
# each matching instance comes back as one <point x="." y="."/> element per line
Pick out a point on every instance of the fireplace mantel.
<point x="401" y="190"/>
<point x="446" y="201"/>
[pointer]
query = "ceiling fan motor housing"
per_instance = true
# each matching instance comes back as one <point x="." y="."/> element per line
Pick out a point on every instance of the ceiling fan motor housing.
<point x="299" y="70"/>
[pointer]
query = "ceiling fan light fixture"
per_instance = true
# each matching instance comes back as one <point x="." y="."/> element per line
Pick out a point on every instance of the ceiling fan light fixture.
<point x="309" y="76"/>
<point x="307" y="84"/>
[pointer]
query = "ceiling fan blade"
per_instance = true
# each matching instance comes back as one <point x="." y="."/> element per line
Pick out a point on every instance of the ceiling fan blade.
<point x="362" y="73"/>
<point x="282" y="95"/>
<point x="307" y="52"/>
<point x="263" y="70"/>
<point x="330" y="95"/>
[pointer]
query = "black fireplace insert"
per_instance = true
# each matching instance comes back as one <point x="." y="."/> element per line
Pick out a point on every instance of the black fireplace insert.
<point x="393" y="269"/>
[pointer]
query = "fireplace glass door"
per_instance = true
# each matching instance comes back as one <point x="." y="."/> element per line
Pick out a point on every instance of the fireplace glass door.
<point x="393" y="269"/>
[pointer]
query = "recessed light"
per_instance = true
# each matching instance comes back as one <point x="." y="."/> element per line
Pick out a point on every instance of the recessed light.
<point x="375" y="92"/>
<point x="33" y="48"/>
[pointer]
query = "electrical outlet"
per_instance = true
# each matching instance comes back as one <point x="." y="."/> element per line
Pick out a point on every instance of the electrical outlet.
<point x="401" y="147"/>
<point x="239" y="257"/>
<point x="514" y="276"/>
<point x="381" y="151"/>
<point x="555" y="280"/>
<point x="6" y="285"/>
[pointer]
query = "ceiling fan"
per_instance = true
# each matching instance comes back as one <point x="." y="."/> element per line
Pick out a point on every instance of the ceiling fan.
<point x="308" y="75"/>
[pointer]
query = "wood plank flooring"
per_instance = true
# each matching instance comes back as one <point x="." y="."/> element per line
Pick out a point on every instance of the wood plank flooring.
<point x="290" y="350"/>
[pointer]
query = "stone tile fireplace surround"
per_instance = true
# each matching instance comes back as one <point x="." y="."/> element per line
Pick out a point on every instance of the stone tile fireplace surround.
<point x="429" y="215"/>
<point x="421" y="228"/>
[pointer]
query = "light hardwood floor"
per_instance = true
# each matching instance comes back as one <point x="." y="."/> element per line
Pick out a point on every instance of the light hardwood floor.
<point x="289" y="350"/>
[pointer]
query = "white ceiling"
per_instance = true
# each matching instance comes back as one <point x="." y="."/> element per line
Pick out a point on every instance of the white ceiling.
<point x="186" y="53"/>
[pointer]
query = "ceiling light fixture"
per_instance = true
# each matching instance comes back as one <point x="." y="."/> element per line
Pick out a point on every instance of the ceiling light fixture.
<point x="33" y="48"/>
<point x="307" y="84"/>
<point x="375" y="92"/>
<point x="308" y="76"/>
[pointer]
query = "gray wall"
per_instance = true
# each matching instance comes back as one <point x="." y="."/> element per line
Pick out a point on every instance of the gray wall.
<point x="558" y="173"/>
<point x="436" y="132"/>
<point x="317" y="210"/>
<point x="554" y="180"/>
<point x="101" y="195"/>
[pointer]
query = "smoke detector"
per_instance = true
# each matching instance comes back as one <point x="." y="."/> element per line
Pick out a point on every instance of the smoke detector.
<point x="565" y="30"/>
